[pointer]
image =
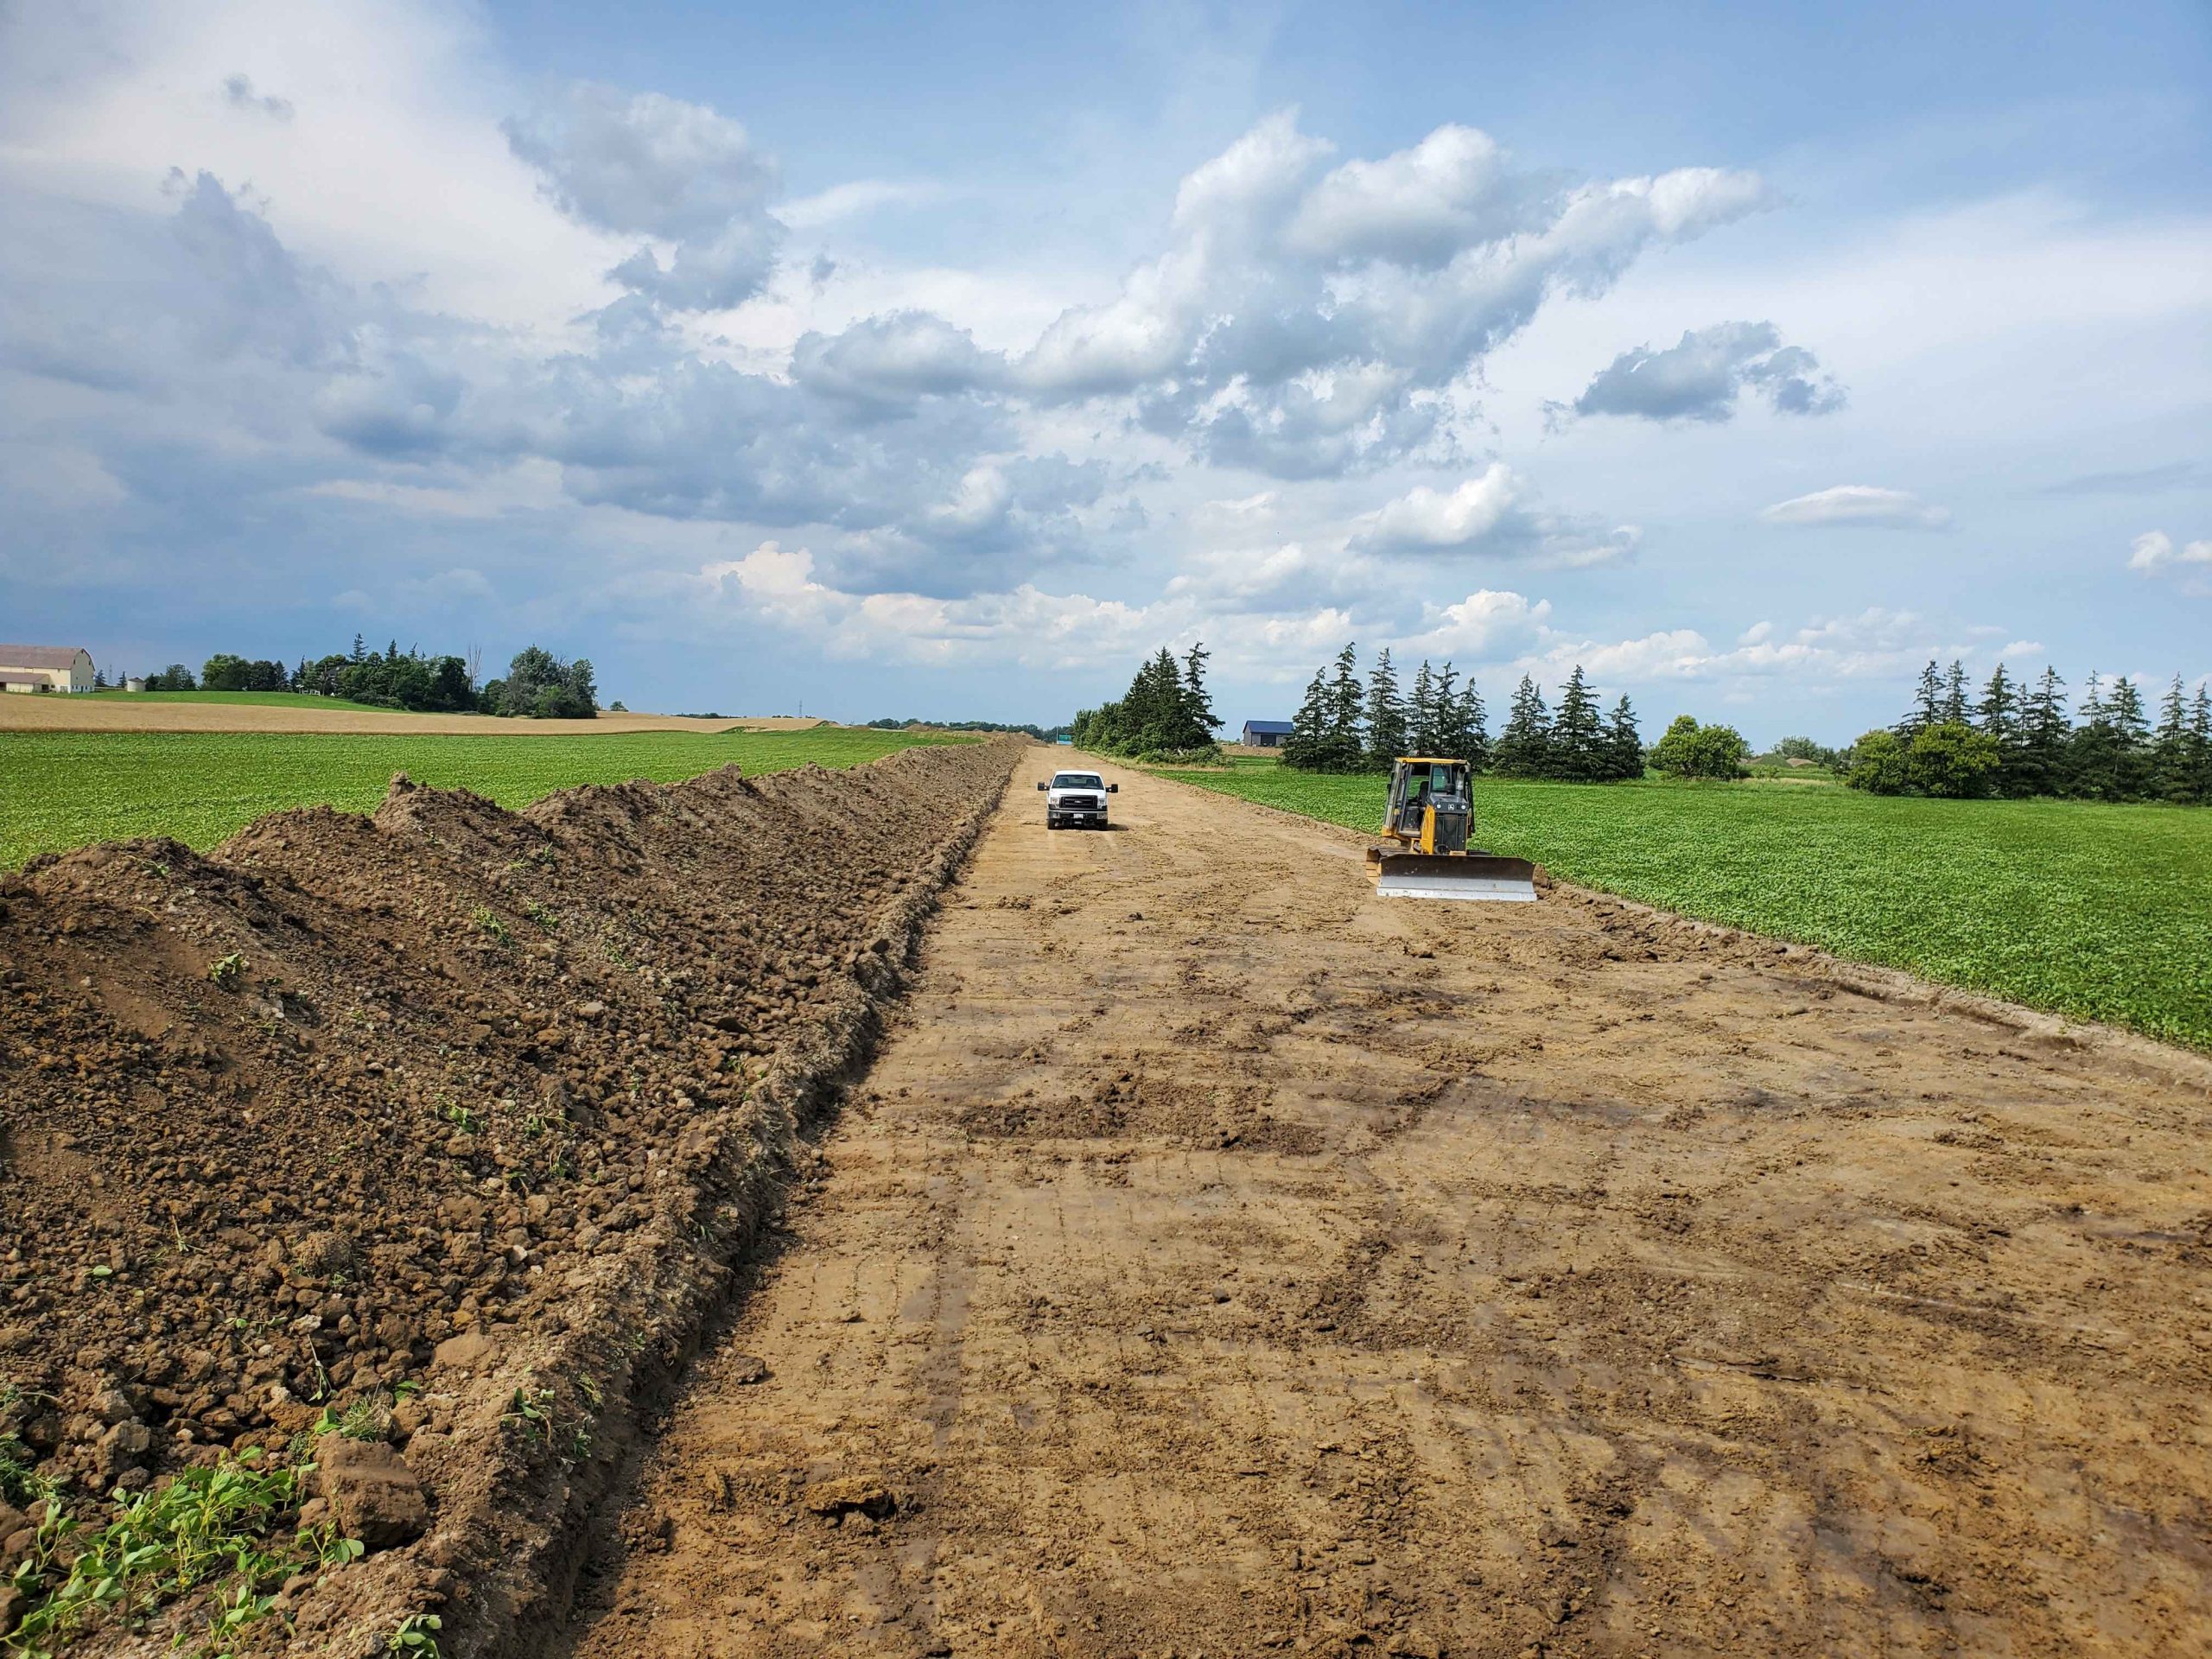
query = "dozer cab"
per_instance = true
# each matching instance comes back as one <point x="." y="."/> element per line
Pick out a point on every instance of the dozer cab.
<point x="1427" y="856"/>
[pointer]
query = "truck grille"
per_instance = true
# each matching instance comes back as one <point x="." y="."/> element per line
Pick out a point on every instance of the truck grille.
<point x="1078" y="803"/>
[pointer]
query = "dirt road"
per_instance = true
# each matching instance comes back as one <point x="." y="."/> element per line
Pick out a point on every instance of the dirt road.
<point x="1220" y="1260"/>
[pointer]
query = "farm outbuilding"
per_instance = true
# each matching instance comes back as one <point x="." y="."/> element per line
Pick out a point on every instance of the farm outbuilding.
<point x="45" y="668"/>
<point x="1265" y="734"/>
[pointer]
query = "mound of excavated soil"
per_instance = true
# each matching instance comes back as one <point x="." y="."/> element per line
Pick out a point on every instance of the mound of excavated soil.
<point x="416" y="1111"/>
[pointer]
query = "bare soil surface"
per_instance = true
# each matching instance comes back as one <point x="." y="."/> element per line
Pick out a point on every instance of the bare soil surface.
<point x="1219" y="1259"/>
<point x="121" y="712"/>
<point x="447" y="1121"/>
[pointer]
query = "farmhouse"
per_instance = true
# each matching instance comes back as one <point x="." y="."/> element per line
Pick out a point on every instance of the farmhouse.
<point x="45" y="668"/>
<point x="1265" y="734"/>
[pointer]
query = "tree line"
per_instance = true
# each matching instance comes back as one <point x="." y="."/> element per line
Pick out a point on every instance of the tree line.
<point x="1343" y="725"/>
<point x="1167" y="713"/>
<point x="2017" y="740"/>
<point x="538" y="684"/>
<point x="1042" y="734"/>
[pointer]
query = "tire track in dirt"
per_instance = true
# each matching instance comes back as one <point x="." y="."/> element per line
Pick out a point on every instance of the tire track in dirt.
<point x="1219" y="1260"/>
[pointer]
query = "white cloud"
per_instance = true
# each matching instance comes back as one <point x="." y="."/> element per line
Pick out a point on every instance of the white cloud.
<point x="1417" y="207"/>
<point x="2155" y="551"/>
<point x="1493" y="514"/>
<point x="1699" y="377"/>
<point x="1486" y="625"/>
<point x="853" y="199"/>
<point x="1304" y="327"/>
<point x="1863" y="506"/>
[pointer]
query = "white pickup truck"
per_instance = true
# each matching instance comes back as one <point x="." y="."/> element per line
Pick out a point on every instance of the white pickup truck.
<point x="1076" y="797"/>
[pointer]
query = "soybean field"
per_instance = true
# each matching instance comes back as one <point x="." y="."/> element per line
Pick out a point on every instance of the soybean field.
<point x="2100" y="912"/>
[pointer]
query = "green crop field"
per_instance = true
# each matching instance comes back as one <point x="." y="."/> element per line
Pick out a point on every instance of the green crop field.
<point x="2103" y="913"/>
<point x="65" y="789"/>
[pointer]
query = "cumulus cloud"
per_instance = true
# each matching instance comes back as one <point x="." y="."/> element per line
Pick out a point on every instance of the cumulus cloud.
<point x="647" y="164"/>
<point x="1294" y="323"/>
<point x="1486" y="625"/>
<point x="2156" y="553"/>
<point x="1859" y="507"/>
<point x="1493" y="515"/>
<point x="1699" y="377"/>
<point x="1420" y="206"/>
<point x="895" y="357"/>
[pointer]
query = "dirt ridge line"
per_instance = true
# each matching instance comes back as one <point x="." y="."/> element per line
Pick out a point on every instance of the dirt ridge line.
<point x="2179" y="1064"/>
<point x="156" y="1005"/>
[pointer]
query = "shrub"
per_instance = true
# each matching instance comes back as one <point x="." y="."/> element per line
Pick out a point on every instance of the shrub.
<point x="1881" y="764"/>
<point x="1953" y="761"/>
<point x="1689" y="750"/>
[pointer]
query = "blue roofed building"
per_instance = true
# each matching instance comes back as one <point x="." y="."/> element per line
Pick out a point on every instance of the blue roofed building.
<point x="1265" y="734"/>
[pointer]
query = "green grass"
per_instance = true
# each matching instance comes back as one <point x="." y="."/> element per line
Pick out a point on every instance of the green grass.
<point x="60" y="790"/>
<point x="2102" y="912"/>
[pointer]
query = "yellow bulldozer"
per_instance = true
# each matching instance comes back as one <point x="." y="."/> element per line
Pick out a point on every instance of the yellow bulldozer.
<point x="1427" y="821"/>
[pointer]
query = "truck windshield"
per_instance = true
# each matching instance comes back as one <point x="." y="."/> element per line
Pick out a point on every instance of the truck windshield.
<point x="1076" y="780"/>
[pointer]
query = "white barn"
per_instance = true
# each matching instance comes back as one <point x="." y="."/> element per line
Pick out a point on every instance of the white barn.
<point x="45" y="668"/>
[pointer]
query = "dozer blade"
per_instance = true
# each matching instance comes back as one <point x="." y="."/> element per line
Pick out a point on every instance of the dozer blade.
<point x="1479" y="877"/>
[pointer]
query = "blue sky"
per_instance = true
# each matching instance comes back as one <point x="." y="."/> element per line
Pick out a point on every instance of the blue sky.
<point x="947" y="363"/>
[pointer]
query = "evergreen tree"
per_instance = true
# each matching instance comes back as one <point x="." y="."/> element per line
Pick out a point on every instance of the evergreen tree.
<point x="1305" y="748"/>
<point x="1998" y="715"/>
<point x="1470" y="727"/>
<point x="2130" y="741"/>
<point x="1624" y="744"/>
<point x="1460" y="732"/>
<point x="2039" y="767"/>
<point x="1441" y="730"/>
<point x="2169" y="756"/>
<point x="2200" y="748"/>
<point x="1386" y="714"/>
<point x="2092" y="766"/>
<point x="1422" y="734"/>
<point x="1346" y="750"/>
<point x="359" y="653"/>
<point x="1576" y="747"/>
<point x="1523" y="748"/>
<point x="1927" y="704"/>
<point x="1953" y="708"/>
<point x="1198" y="706"/>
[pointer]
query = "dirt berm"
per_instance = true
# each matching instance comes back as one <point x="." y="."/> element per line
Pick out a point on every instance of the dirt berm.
<point x="449" y="1121"/>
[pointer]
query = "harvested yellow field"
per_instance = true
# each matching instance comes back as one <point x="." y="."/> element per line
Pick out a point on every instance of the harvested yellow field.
<point x="121" y="712"/>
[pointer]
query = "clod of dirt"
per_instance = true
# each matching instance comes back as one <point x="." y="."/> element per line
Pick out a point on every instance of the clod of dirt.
<point x="744" y="1369"/>
<point x="852" y="1495"/>
<point x="371" y="1493"/>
